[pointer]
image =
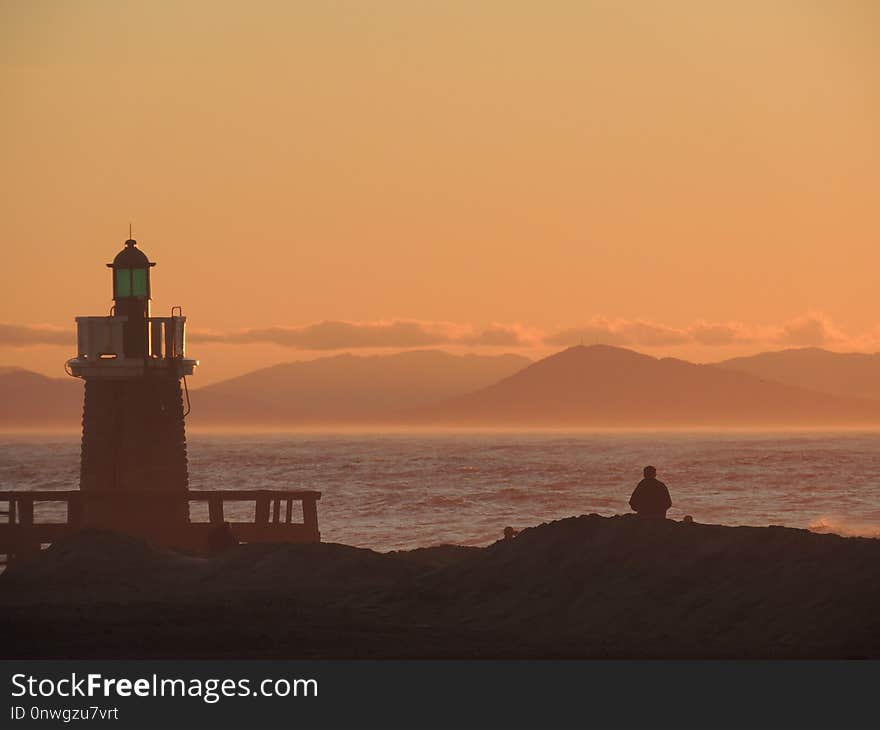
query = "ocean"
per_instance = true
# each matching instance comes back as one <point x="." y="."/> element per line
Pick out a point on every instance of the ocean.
<point x="400" y="491"/>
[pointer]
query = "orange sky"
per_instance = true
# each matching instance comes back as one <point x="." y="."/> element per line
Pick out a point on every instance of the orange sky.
<point x="687" y="178"/>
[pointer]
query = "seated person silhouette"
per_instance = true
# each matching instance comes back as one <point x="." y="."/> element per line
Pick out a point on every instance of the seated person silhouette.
<point x="650" y="497"/>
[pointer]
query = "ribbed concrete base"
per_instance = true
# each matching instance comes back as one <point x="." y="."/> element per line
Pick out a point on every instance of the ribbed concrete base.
<point x="134" y="440"/>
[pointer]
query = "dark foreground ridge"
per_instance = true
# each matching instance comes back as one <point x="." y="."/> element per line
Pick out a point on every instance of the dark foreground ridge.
<point x="586" y="586"/>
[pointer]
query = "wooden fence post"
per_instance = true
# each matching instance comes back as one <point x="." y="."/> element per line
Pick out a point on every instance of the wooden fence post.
<point x="25" y="545"/>
<point x="215" y="510"/>
<point x="261" y="511"/>
<point x="26" y="510"/>
<point x="310" y="514"/>
<point x="74" y="511"/>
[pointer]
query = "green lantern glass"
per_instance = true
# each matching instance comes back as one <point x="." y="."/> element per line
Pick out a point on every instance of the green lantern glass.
<point x="123" y="283"/>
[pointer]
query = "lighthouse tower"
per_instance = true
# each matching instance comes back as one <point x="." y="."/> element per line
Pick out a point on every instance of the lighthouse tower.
<point x="133" y="440"/>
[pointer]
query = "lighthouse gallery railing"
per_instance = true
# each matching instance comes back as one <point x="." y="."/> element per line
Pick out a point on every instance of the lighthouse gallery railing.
<point x="101" y="338"/>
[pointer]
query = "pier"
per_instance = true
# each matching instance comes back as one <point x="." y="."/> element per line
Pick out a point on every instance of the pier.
<point x="23" y="533"/>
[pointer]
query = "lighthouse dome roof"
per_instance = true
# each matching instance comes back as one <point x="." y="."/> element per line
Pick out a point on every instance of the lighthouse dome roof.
<point x="131" y="257"/>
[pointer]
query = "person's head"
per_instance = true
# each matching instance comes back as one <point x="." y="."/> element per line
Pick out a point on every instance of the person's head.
<point x="650" y="472"/>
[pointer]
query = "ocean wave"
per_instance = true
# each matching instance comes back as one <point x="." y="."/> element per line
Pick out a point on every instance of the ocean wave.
<point x="844" y="527"/>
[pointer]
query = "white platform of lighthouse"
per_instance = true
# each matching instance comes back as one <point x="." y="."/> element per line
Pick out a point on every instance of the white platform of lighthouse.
<point x="101" y="352"/>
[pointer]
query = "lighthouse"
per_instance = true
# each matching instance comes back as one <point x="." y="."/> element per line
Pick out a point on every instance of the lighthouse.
<point x="133" y="467"/>
<point x="133" y="437"/>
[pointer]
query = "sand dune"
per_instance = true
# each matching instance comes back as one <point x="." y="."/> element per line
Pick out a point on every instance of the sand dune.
<point x="582" y="587"/>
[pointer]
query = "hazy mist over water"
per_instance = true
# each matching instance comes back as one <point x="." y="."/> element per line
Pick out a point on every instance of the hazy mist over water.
<point x="392" y="491"/>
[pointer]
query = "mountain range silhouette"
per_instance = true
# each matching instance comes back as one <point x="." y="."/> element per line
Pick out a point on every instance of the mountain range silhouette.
<point x="592" y="386"/>
<point x="840" y="373"/>
<point x="600" y="385"/>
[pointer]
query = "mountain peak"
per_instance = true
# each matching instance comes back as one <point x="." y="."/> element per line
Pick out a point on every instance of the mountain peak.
<point x="607" y="386"/>
<point x="601" y="350"/>
<point x="579" y="357"/>
<point x="840" y="373"/>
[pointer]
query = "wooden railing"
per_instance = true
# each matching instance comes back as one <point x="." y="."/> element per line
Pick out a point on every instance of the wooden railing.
<point x="151" y="514"/>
